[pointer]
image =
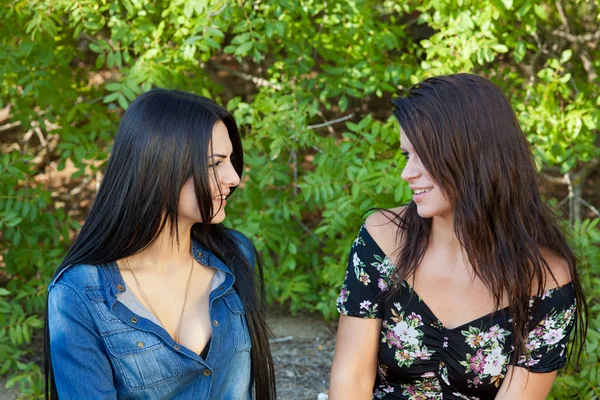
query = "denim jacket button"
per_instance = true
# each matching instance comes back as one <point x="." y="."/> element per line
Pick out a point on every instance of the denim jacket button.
<point x="133" y="320"/>
<point x="199" y="254"/>
<point x="120" y="288"/>
<point x="206" y="372"/>
<point x="216" y="323"/>
<point x="177" y="347"/>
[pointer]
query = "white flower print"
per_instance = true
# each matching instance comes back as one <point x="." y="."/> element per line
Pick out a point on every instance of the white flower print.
<point x="384" y="265"/>
<point x="489" y="362"/>
<point x="421" y="354"/>
<point x="359" y="240"/>
<point x="553" y="336"/>
<point x="495" y="333"/>
<point x="474" y="339"/>
<point x="406" y="333"/>
<point x="547" y="293"/>
<point x="533" y="344"/>
<point x="547" y="335"/>
<point x="403" y="335"/>
<point x="367" y="310"/>
<point x="356" y="260"/>
<point x="443" y="371"/>
<point x="529" y="363"/>
<point x="494" y="362"/>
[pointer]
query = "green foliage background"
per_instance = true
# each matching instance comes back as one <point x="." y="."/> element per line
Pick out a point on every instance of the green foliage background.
<point x="289" y="70"/>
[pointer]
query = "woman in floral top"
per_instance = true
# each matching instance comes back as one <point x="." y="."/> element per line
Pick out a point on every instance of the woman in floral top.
<point x="469" y="291"/>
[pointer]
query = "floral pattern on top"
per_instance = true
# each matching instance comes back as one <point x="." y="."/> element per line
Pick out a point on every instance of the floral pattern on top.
<point x="421" y="359"/>
<point x="488" y="361"/>
<point x="549" y="335"/>
<point x="404" y="336"/>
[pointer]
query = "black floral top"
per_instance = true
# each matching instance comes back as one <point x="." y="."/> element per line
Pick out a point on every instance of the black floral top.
<point x="420" y="359"/>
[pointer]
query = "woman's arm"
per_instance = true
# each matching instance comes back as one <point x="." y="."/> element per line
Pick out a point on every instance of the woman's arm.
<point x="355" y="361"/>
<point x="81" y="367"/>
<point x="525" y="385"/>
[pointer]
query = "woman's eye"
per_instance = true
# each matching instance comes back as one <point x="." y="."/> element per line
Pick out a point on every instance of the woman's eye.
<point x="216" y="164"/>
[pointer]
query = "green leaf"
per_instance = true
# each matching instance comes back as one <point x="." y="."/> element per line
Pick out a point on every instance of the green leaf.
<point x="215" y="32"/>
<point x="123" y="102"/>
<point x="111" y="97"/>
<point x="566" y="56"/>
<point x="100" y="60"/>
<point x="500" y="48"/>
<point x="96" y="48"/>
<point x="192" y="40"/>
<point x="244" y="48"/>
<point x="113" y="86"/>
<point x="540" y="11"/>
<point x="343" y="103"/>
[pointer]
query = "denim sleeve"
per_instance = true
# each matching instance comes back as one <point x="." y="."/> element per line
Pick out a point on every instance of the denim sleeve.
<point x="80" y="365"/>
<point x="246" y="246"/>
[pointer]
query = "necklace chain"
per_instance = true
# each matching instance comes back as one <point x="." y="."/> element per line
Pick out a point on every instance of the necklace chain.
<point x="187" y="289"/>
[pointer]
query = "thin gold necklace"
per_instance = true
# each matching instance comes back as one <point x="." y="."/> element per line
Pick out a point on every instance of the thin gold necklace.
<point x="187" y="289"/>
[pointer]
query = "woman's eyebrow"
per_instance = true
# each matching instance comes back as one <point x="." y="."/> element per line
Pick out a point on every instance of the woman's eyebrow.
<point x="217" y="155"/>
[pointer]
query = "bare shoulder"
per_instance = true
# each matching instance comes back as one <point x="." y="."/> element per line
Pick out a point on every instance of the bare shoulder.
<point x="383" y="229"/>
<point x="558" y="266"/>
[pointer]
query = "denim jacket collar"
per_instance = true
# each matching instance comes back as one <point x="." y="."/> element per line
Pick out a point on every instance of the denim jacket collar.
<point x="200" y="253"/>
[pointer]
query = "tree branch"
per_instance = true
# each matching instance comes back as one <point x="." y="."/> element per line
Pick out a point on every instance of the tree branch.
<point x="586" y="38"/>
<point x="329" y="123"/>
<point x="584" y="55"/>
<point x="258" y="81"/>
<point x="9" y="126"/>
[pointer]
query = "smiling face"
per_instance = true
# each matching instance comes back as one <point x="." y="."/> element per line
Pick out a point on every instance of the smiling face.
<point x="222" y="177"/>
<point x="427" y="194"/>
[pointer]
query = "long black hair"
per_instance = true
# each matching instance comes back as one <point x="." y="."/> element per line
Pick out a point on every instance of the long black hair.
<point x="163" y="140"/>
<point x="467" y="136"/>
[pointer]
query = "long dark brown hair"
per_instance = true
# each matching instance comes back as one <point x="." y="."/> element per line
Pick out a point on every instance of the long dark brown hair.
<point x="162" y="141"/>
<point x="468" y="138"/>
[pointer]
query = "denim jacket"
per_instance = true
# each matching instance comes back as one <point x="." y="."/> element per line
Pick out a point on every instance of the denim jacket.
<point x="102" y="350"/>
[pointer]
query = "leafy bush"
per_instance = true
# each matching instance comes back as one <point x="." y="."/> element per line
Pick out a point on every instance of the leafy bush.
<point x="309" y="82"/>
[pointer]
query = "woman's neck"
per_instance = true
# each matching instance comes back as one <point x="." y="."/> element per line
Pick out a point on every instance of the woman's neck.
<point x="444" y="239"/>
<point x="165" y="252"/>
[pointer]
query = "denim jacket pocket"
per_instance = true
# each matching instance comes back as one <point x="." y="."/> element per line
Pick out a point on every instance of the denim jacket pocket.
<point x="239" y="326"/>
<point x="141" y="358"/>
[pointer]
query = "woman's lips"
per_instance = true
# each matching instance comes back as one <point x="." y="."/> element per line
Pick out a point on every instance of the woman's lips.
<point x="421" y="193"/>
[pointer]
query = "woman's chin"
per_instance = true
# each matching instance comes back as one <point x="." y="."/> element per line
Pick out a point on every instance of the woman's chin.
<point x="218" y="218"/>
<point x="425" y="212"/>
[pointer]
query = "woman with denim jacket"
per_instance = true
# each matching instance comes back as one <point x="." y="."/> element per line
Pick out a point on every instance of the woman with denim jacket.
<point x="157" y="299"/>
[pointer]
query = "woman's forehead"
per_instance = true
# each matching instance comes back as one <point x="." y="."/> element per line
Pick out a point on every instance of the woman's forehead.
<point x="220" y="140"/>
<point x="404" y="142"/>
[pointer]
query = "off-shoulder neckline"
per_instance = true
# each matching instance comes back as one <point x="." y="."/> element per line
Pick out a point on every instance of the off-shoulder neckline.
<point x="568" y="285"/>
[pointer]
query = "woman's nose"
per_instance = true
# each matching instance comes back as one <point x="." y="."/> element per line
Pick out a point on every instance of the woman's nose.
<point x="231" y="178"/>
<point x="411" y="170"/>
